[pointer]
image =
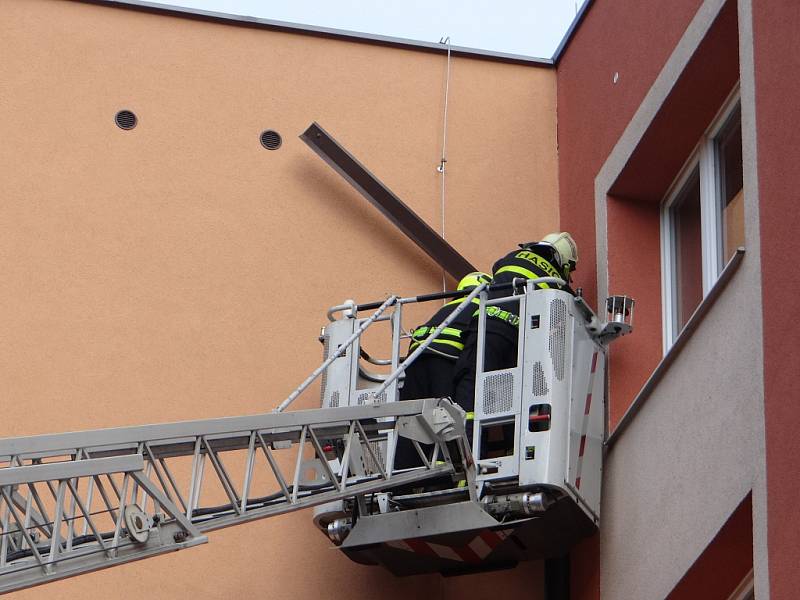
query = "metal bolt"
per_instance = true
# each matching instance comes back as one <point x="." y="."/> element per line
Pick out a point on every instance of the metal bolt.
<point x="180" y="536"/>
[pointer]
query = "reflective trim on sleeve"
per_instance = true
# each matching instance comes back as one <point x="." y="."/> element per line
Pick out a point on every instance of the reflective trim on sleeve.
<point x="457" y="345"/>
<point x="423" y="332"/>
<point x="460" y="300"/>
<point x="524" y="272"/>
<point x="515" y="269"/>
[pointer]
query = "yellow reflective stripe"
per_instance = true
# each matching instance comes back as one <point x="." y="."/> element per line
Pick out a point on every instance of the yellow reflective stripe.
<point x="451" y="331"/>
<point x="541" y="262"/>
<point x="470" y="416"/>
<point x="518" y="270"/>
<point x="421" y="332"/>
<point x="458" y="345"/>
<point x="460" y="300"/>
<point x="524" y="272"/>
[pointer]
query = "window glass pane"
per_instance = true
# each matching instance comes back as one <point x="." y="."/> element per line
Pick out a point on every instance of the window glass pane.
<point x="729" y="153"/>
<point x="688" y="259"/>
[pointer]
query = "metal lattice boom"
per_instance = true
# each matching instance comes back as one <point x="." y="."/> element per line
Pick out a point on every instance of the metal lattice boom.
<point x="77" y="502"/>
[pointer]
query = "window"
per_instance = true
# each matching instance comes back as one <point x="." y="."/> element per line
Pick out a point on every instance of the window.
<point x="702" y="220"/>
<point x="745" y="590"/>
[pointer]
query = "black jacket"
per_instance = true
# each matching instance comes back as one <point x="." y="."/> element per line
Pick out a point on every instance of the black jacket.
<point x="450" y="342"/>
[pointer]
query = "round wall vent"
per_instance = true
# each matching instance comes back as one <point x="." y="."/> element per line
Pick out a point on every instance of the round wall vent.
<point x="271" y="140"/>
<point x="125" y="119"/>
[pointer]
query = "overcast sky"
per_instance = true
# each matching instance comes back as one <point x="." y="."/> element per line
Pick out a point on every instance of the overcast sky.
<point x="527" y="27"/>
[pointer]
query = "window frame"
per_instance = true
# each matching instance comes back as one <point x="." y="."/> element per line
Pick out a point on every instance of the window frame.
<point x="705" y="159"/>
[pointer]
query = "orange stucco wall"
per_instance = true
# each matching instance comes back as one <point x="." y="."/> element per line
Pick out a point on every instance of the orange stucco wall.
<point x="180" y="270"/>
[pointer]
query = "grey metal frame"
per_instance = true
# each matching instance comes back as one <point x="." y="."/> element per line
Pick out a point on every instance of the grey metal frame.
<point x="67" y="500"/>
<point x="75" y="502"/>
<point x="394" y="209"/>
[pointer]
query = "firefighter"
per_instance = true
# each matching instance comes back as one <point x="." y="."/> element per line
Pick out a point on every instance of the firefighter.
<point x="431" y="374"/>
<point x="556" y="255"/>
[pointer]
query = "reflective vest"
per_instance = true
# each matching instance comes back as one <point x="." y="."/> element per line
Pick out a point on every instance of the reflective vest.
<point x="524" y="263"/>
<point x="518" y="263"/>
<point x="450" y="342"/>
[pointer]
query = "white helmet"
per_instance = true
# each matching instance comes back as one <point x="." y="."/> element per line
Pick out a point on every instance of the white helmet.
<point x="565" y="247"/>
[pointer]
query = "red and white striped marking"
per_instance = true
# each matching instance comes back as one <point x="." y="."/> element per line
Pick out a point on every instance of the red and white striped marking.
<point x="474" y="552"/>
<point x="585" y="426"/>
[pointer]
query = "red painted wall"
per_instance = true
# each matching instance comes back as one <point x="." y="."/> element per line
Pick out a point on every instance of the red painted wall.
<point x="777" y="62"/>
<point x="634" y="255"/>
<point x="634" y="39"/>
<point x="725" y="562"/>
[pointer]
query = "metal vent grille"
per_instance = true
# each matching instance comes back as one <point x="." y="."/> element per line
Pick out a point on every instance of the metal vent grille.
<point x="539" y="380"/>
<point x="125" y="119"/>
<point x="365" y="398"/>
<point x="558" y="335"/>
<point x="498" y="393"/>
<point x="334" y="400"/>
<point x="271" y="140"/>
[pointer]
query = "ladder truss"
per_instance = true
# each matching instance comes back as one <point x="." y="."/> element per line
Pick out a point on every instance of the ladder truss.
<point x="77" y="502"/>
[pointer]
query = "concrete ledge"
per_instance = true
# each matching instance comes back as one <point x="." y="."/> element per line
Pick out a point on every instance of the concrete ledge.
<point x="691" y="325"/>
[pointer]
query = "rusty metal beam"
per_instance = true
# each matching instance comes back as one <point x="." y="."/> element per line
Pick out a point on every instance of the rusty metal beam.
<point x="387" y="202"/>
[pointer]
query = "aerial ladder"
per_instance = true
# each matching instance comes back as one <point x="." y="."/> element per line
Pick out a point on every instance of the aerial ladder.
<point x="527" y="485"/>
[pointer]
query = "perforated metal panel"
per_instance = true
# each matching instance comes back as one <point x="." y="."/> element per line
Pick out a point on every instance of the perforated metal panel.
<point x="366" y="398"/>
<point x="540" y="387"/>
<point x="498" y="393"/>
<point x="558" y="335"/>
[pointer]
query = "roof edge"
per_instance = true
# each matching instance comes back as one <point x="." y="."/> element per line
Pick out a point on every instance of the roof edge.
<point x="576" y="23"/>
<point x="353" y="36"/>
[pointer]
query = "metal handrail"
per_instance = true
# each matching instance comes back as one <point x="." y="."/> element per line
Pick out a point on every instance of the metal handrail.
<point x="380" y="362"/>
<point x="466" y="302"/>
<point x="339" y="352"/>
<point x="395" y="300"/>
<point x="421" y="348"/>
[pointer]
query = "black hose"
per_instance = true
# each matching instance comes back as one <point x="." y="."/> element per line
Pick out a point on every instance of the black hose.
<point x="76" y="541"/>
<point x="439" y="296"/>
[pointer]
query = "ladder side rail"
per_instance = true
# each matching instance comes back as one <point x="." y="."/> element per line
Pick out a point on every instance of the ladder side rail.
<point x="365" y="486"/>
<point x="124" y="440"/>
<point x="12" y="476"/>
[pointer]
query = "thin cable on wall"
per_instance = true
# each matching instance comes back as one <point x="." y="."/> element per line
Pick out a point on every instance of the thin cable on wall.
<point x="443" y="160"/>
